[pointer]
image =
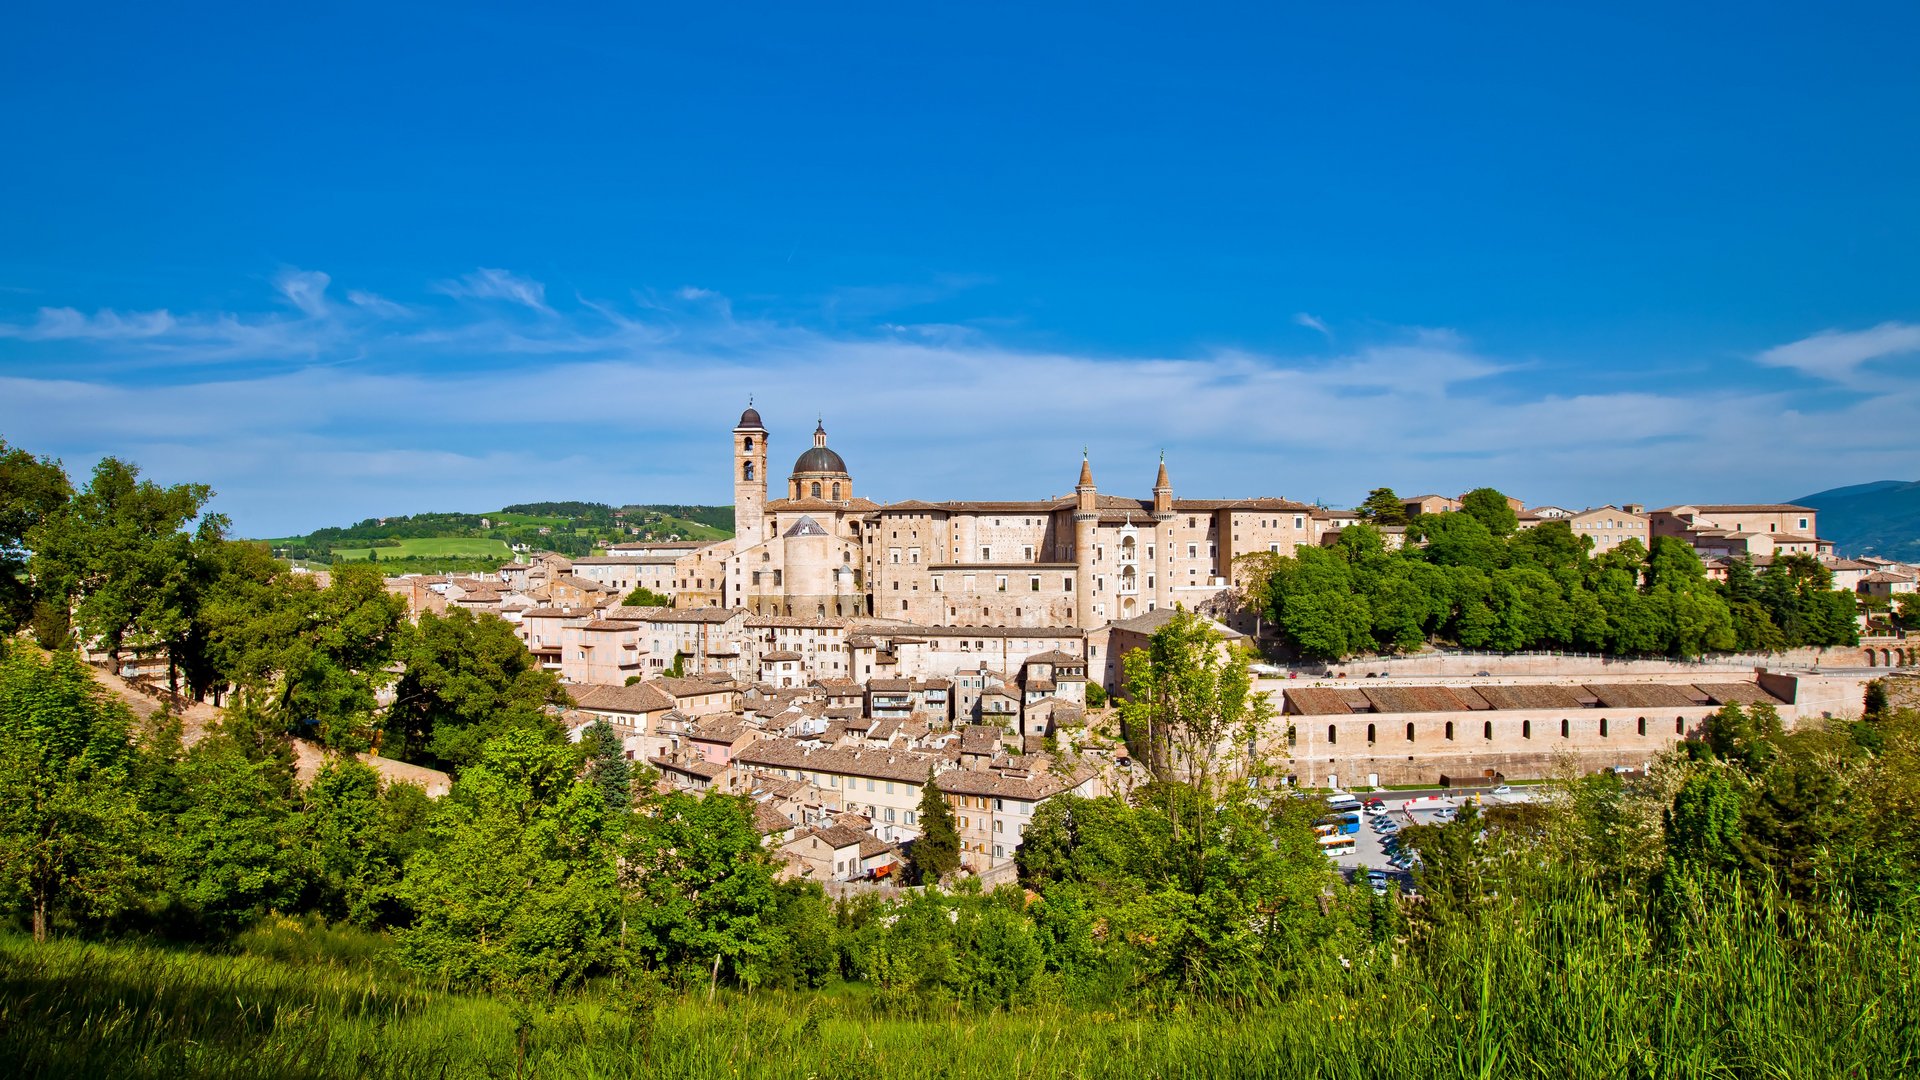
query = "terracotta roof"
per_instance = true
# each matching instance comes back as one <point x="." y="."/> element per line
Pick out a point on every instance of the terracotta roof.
<point x="767" y="820"/>
<point x="900" y="765"/>
<point x="695" y="615"/>
<point x="1055" y="656"/>
<point x="778" y="655"/>
<point x="700" y="767"/>
<point x="1640" y="695"/>
<point x="1028" y="785"/>
<point x="1737" y="693"/>
<point x="690" y="686"/>
<point x="638" y="698"/>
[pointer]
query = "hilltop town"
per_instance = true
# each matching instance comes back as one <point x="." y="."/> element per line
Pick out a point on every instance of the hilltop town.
<point x="835" y="654"/>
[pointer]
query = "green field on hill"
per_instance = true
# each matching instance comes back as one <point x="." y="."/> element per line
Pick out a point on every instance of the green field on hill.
<point x="438" y="547"/>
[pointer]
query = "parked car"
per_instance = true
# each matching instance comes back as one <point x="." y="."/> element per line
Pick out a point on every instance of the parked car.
<point x="1379" y="881"/>
<point x="1503" y="789"/>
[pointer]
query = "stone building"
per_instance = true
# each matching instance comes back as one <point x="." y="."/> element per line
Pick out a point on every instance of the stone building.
<point x="821" y="551"/>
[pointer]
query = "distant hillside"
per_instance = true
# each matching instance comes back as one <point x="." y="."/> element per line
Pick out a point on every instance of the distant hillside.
<point x="452" y="541"/>
<point x="1881" y="518"/>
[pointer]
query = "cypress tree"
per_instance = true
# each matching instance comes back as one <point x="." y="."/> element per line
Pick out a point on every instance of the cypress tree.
<point x="937" y="852"/>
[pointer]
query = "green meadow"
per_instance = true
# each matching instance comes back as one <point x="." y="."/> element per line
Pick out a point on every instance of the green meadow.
<point x="437" y="547"/>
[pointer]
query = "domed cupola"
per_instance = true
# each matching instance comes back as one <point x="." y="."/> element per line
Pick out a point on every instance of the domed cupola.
<point x="819" y="473"/>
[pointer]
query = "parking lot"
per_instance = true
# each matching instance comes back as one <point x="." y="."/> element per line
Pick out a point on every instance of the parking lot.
<point x="1371" y="844"/>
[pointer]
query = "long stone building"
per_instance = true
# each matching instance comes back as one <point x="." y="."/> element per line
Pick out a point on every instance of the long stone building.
<point x="818" y="549"/>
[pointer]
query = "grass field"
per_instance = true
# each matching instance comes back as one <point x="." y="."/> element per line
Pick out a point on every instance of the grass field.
<point x="453" y="547"/>
<point x="1577" y="994"/>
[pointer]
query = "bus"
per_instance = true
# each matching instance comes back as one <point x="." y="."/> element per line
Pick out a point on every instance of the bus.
<point x="1342" y="824"/>
<point x="1336" y="845"/>
<point x="1343" y="801"/>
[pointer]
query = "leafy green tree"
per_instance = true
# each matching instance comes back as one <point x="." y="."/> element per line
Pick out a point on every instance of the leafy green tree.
<point x="805" y="949"/>
<point x="1190" y="703"/>
<point x="32" y="490"/>
<point x="236" y="846"/>
<point x="1875" y="702"/>
<point x="611" y="772"/>
<point x="517" y="893"/>
<point x="71" y="832"/>
<point x="701" y="886"/>
<point x="1316" y="603"/>
<point x="1747" y="738"/>
<point x="351" y="843"/>
<point x="1703" y="830"/>
<point x="1456" y="540"/>
<point x="1383" y="507"/>
<point x="466" y="679"/>
<point x="937" y="851"/>
<point x="118" y="553"/>
<point x="645" y="597"/>
<point x="1491" y="509"/>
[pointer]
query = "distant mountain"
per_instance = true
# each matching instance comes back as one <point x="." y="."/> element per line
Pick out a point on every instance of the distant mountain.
<point x="1881" y="518"/>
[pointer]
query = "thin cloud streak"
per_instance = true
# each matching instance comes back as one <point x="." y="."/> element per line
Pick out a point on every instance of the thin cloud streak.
<point x="635" y="407"/>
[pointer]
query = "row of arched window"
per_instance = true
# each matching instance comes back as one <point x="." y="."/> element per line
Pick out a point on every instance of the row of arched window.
<point x="1526" y="729"/>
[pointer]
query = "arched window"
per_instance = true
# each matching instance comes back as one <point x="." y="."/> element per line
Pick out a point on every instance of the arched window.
<point x="746" y="471"/>
<point x="748" y="446"/>
<point x="1409" y="732"/>
<point x="1369" y="733"/>
<point x="1566" y="729"/>
<point x="1603" y="727"/>
<point x="836" y="492"/>
<point x="816" y="489"/>
<point x="1679" y="725"/>
<point x="1643" y="727"/>
<point x="1526" y="729"/>
<point x="1333" y="733"/>
<point x="1488" y="730"/>
<point x="1449" y="731"/>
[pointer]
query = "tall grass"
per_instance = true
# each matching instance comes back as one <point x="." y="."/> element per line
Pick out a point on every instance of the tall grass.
<point x="1575" y="991"/>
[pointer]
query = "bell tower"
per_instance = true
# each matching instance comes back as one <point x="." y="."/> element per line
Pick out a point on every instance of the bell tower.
<point x="749" y="477"/>
<point x="1086" y="517"/>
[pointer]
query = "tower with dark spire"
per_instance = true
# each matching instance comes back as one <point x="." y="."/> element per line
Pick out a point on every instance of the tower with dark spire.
<point x="749" y="476"/>
<point x="1161" y="566"/>
<point x="1086" y="517"/>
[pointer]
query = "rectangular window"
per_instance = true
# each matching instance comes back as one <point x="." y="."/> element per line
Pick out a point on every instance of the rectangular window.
<point x="889" y="815"/>
<point x="1035" y="582"/>
<point x="986" y="553"/>
<point x="1027" y="553"/>
<point x="893" y="556"/>
<point x="936" y="583"/>
<point x="889" y="789"/>
<point x="1000" y="583"/>
<point x="1299" y="522"/>
<point x="910" y="817"/>
<point x="1193" y="551"/>
<point x="913" y="556"/>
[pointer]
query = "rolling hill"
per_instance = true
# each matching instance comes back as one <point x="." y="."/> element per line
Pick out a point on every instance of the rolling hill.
<point x="1881" y="518"/>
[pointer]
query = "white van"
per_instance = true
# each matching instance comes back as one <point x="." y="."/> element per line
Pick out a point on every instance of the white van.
<point x="1342" y="800"/>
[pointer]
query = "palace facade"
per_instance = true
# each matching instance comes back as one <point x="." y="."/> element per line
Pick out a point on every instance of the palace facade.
<point x="818" y="549"/>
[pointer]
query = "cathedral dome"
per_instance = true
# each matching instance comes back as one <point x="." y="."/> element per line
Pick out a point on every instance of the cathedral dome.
<point x="819" y="459"/>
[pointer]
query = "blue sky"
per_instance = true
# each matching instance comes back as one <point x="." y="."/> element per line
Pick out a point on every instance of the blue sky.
<point x="391" y="258"/>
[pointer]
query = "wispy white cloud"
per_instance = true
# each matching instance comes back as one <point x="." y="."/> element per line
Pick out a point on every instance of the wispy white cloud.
<point x="631" y="401"/>
<point x="304" y="289"/>
<point x="491" y="284"/>
<point x="1836" y="355"/>
<point x="1303" y="319"/>
<point x="379" y="305"/>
